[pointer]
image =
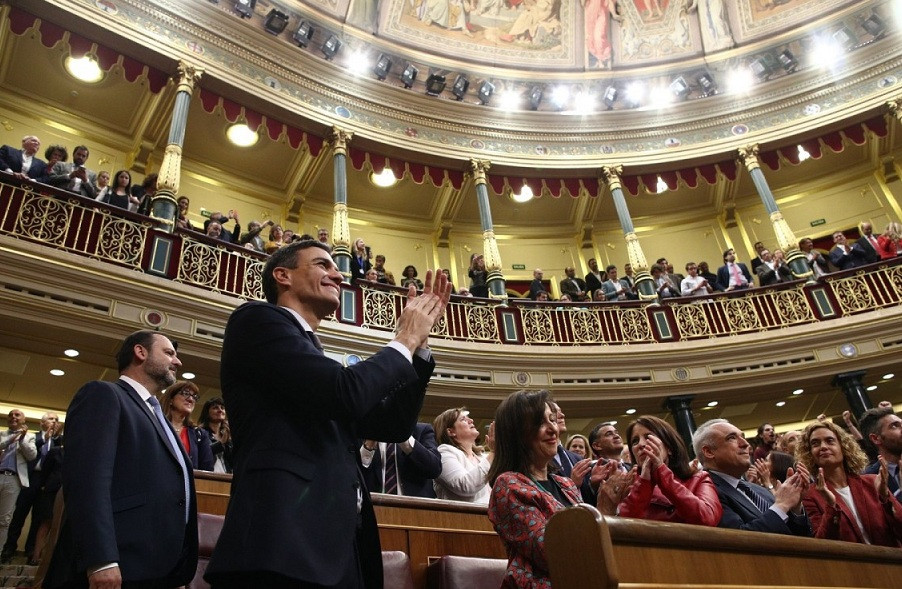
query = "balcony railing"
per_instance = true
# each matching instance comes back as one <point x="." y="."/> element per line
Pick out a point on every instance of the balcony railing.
<point x="61" y="220"/>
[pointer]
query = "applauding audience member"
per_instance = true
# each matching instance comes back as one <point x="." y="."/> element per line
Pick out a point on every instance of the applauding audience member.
<point x="478" y="276"/>
<point x="881" y="429"/>
<point x="695" y="285"/>
<point x="23" y="163"/>
<point x="889" y="244"/>
<point x="464" y="463"/>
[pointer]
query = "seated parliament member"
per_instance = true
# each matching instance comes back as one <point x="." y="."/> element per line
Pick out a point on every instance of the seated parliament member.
<point x="405" y="468"/>
<point x="667" y="489"/>
<point x="131" y="517"/>
<point x="299" y="514"/>
<point x="464" y="463"/>
<point x="524" y="494"/>
<point x="724" y="452"/>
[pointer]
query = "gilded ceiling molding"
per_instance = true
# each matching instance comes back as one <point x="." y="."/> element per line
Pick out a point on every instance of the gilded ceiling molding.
<point x="478" y="170"/>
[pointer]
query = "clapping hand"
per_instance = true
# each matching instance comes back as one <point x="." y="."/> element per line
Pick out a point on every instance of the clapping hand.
<point x="423" y="311"/>
<point x="822" y="488"/>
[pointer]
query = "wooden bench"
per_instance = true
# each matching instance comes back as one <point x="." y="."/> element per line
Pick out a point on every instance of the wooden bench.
<point x="588" y="551"/>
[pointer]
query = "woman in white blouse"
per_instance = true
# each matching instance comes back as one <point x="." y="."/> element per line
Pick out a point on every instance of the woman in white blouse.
<point x="464" y="464"/>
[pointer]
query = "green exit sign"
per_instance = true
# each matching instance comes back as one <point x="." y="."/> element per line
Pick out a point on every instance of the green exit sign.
<point x="519" y="267"/>
<point x="817" y="222"/>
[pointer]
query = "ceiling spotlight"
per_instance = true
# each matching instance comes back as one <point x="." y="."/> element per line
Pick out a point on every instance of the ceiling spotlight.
<point x="57" y="372"/>
<point x="875" y="26"/>
<point x="245" y="8"/>
<point x="71" y="353"/>
<point x="409" y="75"/>
<point x="740" y="81"/>
<point x="535" y="97"/>
<point x="459" y="89"/>
<point x="435" y="84"/>
<point x="85" y="69"/>
<point x="275" y="22"/>
<point x="845" y="37"/>
<point x="780" y="403"/>
<point x="584" y="102"/>
<point x="525" y="194"/>
<point x="886" y="376"/>
<point x="382" y="67"/>
<point x="609" y="97"/>
<point x="384" y="179"/>
<point x="331" y="47"/>
<point x="680" y="88"/>
<point x="304" y="34"/>
<point x="242" y="135"/>
<point x="630" y="411"/>
<point x="706" y="83"/>
<point x="509" y="99"/>
<point x="788" y="61"/>
<point x="712" y="403"/>
<point x="873" y="387"/>
<point x="635" y="94"/>
<point x="188" y="375"/>
<point x="798" y="391"/>
<point x="485" y="91"/>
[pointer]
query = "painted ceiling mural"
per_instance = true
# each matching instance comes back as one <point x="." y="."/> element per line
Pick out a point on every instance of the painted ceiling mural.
<point x="575" y="34"/>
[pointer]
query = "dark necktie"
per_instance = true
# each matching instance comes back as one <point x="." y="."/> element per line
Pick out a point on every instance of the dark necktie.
<point x="390" y="484"/>
<point x="759" y="501"/>
<point x="176" y="446"/>
<point x="316" y="342"/>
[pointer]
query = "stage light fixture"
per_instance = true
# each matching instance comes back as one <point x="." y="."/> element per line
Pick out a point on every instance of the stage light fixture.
<point x="245" y="8"/>
<point x="275" y="22"/>
<point x="485" y="91"/>
<point x="535" y="97"/>
<point x="382" y="67"/>
<point x="435" y="84"/>
<point x="680" y="88"/>
<point x="304" y="34"/>
<point x="409" y="75"/>
<point x="460" y="87"/>
<point x="331" y="47"/>
<point x="609" y="98"/>
<point x="707" y="84"/>
<point x="875" y="26"/>
<point x="788" y="61"/>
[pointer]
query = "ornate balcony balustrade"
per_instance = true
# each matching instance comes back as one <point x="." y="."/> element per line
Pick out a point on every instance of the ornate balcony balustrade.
<point x="69" y="222"/>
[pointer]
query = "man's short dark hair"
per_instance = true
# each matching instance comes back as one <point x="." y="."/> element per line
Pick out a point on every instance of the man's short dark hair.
<point x="610" y="267"/>
<point x="869" y="423"/>
<point x="727" y="253"/>
<point x="285" y="257"/>
<point x="596" y="432"/>
<point x="142" y="338"/>
<point x="85" y="147"/>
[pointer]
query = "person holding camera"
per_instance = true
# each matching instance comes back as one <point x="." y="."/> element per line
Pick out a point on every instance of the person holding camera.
<point x="74" y="176"/>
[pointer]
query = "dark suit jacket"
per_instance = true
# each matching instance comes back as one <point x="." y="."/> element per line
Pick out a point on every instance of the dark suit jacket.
<point x="199" y="450"/>
<point x="592" y="283"/>
<point x="359" y="270"/>
<point x="568" y="287"/>
<point x="766" y="276"/>
<point x="415" y="470"/>
<point x="11" y="158"/>
<point x="296" y="417"/>
<point x="868" y="253"/>
<point x="723" y="276"/>
<point x="740" y="514"/>
<point x="893" y="484"/>
<point x="124" y="491"/>
<point x="843" y="261"/>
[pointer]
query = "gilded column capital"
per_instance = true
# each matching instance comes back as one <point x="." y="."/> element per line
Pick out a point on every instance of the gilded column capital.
<point x="611" y="176"/>
<point x="749" y="156"/>
<point x="189" y="75"/>
<point x="478" y="168"/>
<point x="895" y="108"/>
<point x="339" y="139"/>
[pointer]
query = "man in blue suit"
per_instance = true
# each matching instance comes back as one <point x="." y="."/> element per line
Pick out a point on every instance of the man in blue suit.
<point x="732" y="275"/>
<point x="416" y="462"/>
<point x="882" y="431"/>
<point x="23" y="163"/>
<point x="299" y="514"/>
<point x="130" y="518"/>
<point x="724" y="452"/>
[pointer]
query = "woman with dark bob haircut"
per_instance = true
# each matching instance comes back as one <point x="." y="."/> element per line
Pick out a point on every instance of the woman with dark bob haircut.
<point x="524" y="495"/>
<point x="177" y="404"/>
<point x="667" y="489"/>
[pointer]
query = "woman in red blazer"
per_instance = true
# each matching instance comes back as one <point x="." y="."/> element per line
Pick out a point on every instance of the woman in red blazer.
<point x="524" y="494"/>
<point x="844" y="505"/>
<point x="890" y="243"/>
<point x="667" y="489"/>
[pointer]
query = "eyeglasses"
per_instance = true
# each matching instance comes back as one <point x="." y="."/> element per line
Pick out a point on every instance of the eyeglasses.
<point x="189" y="395"/>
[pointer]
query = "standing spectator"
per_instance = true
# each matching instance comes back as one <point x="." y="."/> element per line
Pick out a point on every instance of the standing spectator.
<point x="360" y="260"/>
<point x="178" y="403"/>
<point x="572" y="286"/>
<point x="889" y="244"/>
<point x="23" y="163"/>
<point x="845" y="256"/>
<point x="732" y="275"/>
<point x="614" y="289"/>
<point x="74" y="176"/>
<point x="464" y="463"/>
<point x="536" y="286"/>
<point x="595" y="277"/>
<point x="383" y="276"/>
<point x="773" y="269"/>
<point x="230" y="237"/>
<point x="705" y="272"/>
<point x="143" y="194"/>
<point x="695" y="285"/>
<point x="764" y="441"/>
<point x="323" y="235"/>
<point x="579" y="444"/>
<point x="252" y="239"/>
<point x="182" y="219"/>
<point x="869" y="244"/>
<point x="664" y="286"/>
<point x="816" y="260"/>
<point x="119" y="194"/>
<point x="213" y="420"/>
<point x="18" y="447"/>
<point x="882" y="431"/>
<point x="410" y="277"/>
<point x="103" y="184"/>
<point x="275" y="240"/>
<point x="49" y="475"/>
<point x="478" y="276"/>
<point x="54" y="155"/>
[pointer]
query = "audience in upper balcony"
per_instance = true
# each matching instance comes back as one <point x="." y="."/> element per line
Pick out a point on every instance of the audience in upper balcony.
<point x="724" y="452"/>
<point x="74" y="176"/>
<point x="663" y="284"/>
<point x="383" y="275"/>
<point x="360" y="259"/>
<point x="372" y="275"/>
<point x="103" y="183"/>
<point x="410" y="277"/>
<point x="323" y="235"/>
<point x="572" y="286"/>
<point x="542" y="296"/>
<point x="694" y="285"/>
<point x="816" y="260"/>
<point x="674" y="278"/>
<point x="595" y="277"/>
<point x="536" y="286"/>
<point x="143" y="195"/>
<point x="181" y="219"/>
<point x="118" y="194"/>
<point x="252" y="239"/>
<point x="599" y="296"/>
<point x="630" y="277"/>
<point x="225" y="234"/>
<point x="53" y="154"/>
<point x="667" y="488"/>
<point x="773" y="269"/>
<point x="614" y="288"/>
<point x="464" y="463"/>
<point x="479" y="276"/>
<point x="882" y="431"/>
<point x="758" y="259"/>
<point x="845" y="256"/>
<point x="214" y="420"/>
<point x="464" y="292"/>
<point x="732" y="275"/>
<point x="868" y="243"/>
<point x="23" y="163"/>
<point x="889" y="244"/>
<point x="178" y="403"/>
<point x="705" y="272"/>
<point x="275" y="239"/>
<point x="842" y="504"/>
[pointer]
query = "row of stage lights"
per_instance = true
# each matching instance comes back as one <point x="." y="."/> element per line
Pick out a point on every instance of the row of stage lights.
<point x="828" y="50"/>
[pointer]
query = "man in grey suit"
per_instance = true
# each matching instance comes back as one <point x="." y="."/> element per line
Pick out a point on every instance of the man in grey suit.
<point x="74" y="176"/>
<point x="724" y="452"/>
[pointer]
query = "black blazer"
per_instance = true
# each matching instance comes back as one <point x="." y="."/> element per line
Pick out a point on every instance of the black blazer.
<point x="124" y="491"/>
<point x="11" y="158"/>
<point x="415" y="470"/>
<point x="723" y="276"/>
<point x="199" y="449"/>
<point x="739" y="514"/>
<point x="296" y="417"/>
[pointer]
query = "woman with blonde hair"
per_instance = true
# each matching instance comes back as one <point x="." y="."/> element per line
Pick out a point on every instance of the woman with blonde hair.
<point x="464" y="463"/>
<point x="579" y="445"/>
<point x="842" y="504"/>
<point x="889" y="245"/>
<point x="178" y="403"/>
